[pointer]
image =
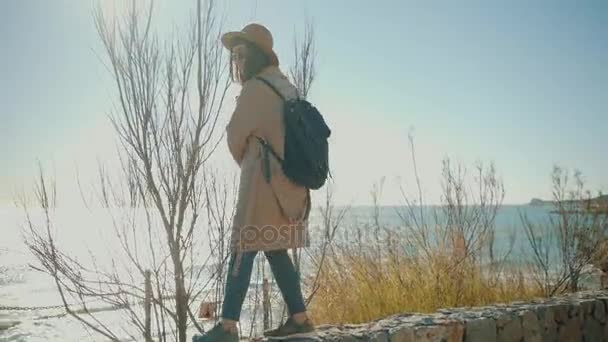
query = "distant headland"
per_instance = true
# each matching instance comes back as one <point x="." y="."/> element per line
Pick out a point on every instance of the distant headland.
<point x="599" y="203"/>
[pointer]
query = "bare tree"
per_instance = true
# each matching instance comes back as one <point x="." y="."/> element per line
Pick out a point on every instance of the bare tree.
<point x="331" y="218"/>
<point x="463" y="224"/>
<point x="457" y="235"/>
<point x="426" y="257"/>
<point x="570" y="237"/>
<point x="164" y="186"/>
<point x="303" y="71"/>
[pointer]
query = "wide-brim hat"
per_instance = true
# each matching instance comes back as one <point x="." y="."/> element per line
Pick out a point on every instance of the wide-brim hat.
<point x="256" y="34"/>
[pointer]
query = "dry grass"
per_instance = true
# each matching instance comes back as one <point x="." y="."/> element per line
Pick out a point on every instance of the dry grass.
<point x="358" y="287"/>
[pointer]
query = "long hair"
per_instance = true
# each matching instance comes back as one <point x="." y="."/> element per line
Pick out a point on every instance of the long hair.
<point x="255" y="61"/>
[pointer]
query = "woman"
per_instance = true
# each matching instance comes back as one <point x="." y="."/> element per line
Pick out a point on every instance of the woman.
<point x="272" y="211"/>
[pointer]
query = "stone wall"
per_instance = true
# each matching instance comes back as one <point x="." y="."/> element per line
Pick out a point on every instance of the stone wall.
<point x="577" y="317"/>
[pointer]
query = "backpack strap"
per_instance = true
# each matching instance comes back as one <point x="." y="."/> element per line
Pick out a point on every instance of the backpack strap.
<point x="263" y="142"/>
<point x="269" y="148"/>
<point x="271" y="87"/>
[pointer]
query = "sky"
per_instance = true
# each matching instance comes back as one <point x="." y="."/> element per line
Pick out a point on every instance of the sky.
<point x="518" y="83"/>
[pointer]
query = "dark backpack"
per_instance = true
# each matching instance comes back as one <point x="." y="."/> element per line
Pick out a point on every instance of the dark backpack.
<point x="306" y="150"/>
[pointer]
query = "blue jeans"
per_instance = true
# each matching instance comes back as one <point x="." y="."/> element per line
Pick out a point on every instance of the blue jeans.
<point x="285" y="274"/>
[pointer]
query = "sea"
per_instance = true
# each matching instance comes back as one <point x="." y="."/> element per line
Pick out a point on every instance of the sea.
<point x="29" y="298"/>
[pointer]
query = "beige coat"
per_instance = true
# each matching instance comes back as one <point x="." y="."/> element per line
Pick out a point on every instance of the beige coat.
<point x="259" y="223"/>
